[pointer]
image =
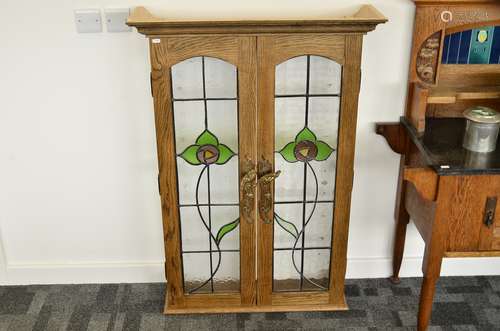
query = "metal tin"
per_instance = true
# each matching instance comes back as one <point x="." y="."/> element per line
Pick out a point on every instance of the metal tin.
<point x="482" y="128"/>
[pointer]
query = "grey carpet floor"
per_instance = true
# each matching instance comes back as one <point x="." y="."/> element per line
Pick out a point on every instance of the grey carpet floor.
<point x="461" y="303"/>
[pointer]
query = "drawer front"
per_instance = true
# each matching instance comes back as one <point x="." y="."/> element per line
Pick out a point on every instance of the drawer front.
<point x="472" y="211"/>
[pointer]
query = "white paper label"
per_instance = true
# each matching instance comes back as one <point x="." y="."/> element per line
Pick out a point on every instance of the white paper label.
<point x="156" y="41"/>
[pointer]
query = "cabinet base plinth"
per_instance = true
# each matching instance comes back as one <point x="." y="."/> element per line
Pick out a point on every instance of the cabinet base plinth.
<point x="254" y="309"/>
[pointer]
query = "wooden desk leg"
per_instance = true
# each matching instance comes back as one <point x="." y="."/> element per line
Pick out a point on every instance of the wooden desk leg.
<point x="402" y="220"/>
<point x="431" y="269"/>
<point x="399" y="246"/>
<point x="426" y="299"/>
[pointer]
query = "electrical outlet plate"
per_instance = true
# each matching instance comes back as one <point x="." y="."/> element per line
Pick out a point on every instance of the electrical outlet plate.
<point x="88" y="20"/>
<point x="116" y="19"/>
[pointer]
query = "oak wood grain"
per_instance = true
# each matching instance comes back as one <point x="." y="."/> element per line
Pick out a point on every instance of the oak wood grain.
<point x="419" y="106"/>
<point x="265" y="153"/>
<point x="247" y="80"/>
<point x="460" y="76"/>
<point x="425" y="181"/>
<point x="303" y="298"/>
<point x="351" y="80"/>
<point x="160" y="80"/>
<point x="445" y="95"/>
<point x="362" y="21"/>
<point x="228" y="309"/>
<point x="422" y="211"/>
<point x="473" y="254"/>
<point x="466" y="229"/>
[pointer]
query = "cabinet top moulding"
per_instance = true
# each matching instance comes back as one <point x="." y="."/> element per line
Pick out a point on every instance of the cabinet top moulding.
<point x="452" y="2"/>
<point x="364" y="20"/>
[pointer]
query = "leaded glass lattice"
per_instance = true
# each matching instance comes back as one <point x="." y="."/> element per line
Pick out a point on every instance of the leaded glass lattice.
<point x="307" y="101"/>
<point x="205" y="107"/>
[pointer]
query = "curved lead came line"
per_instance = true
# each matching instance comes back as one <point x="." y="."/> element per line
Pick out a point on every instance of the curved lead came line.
<point x="208" y="229"/>
<point x="303" y="229"/>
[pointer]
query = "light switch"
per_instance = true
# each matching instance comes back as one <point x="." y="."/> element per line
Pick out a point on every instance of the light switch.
<point x="88" y="20"/>
<point x="116" y="19"/>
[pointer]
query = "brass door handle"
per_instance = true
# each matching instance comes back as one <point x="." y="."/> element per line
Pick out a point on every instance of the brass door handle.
<point x="247" y="185"/>
<point x="266" y="198"/>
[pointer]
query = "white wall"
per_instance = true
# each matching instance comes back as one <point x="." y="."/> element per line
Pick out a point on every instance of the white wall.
<point x="78" y="196"/>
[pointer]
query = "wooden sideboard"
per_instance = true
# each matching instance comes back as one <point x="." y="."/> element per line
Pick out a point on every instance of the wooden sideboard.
<point x="449" y="193"/>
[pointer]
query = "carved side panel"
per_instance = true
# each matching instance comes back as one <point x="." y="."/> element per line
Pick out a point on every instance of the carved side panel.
<point x="427" y="59"/>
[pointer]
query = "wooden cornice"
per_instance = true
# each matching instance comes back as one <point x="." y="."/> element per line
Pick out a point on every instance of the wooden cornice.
<point x="364" y="20"/>
<point x="453" y="2"/>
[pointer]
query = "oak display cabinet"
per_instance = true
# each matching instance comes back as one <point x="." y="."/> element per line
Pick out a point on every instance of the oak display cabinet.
<point x="255" y="126"/>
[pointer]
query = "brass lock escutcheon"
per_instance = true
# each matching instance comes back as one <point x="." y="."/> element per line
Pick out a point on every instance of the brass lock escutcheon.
<point x="247" y="186"/>
<point x="489" y="211"/>
<point x="266" y="197"/>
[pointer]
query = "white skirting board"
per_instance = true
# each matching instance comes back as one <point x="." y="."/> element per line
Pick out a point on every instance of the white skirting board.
<point x="145" y="272"/>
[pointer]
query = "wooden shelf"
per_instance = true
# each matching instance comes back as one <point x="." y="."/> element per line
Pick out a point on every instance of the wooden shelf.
<point x="452" y="95"/>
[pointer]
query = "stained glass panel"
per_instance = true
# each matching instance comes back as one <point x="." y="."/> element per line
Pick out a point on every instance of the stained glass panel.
<point x="319" y="230"/>
<point x="193" y="241"/>
<point x="205" y="109"/>
<point x="225" y="224"/>
<point x="288" y="222"/>
<point x="185" y="112"/>
<point x="306" y="130"/>
<point x="325" y="76"/>
<point x="285" y="277"/>
<point x="196" y="271"/>
<point x="291" y="76"/>
<point x="227" y="278"/>
<point x="316" y="269"/>
<point x="217" y="75"/>
<point x="187" y="79"/>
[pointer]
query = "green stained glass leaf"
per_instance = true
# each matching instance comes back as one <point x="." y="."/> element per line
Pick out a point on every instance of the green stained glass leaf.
<point x="189" y="155"/>
<point x="287" y="226"/>
<point x="305" y="134"/>
<point x="324" y="151"/>
<point x="225" y="153"/>
<point x="225" y="229"/>
<point x="207" y="138"/>
<point x="288" y="152"/>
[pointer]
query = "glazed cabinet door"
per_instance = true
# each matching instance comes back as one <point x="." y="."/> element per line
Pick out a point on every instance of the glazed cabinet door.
<point x="205" y="113"/>
<point x="307" y="100"/>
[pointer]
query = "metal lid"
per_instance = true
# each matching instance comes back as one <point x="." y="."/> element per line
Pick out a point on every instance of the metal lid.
<point x="482" y="115"/>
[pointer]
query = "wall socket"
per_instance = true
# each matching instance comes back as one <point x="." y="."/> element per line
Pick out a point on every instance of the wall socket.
<point x="88" y="20"/>
<point x="116" y="19"/>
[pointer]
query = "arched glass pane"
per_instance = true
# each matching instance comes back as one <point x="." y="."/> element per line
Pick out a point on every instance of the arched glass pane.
<point x="205" y="106"/>
<point x="307" y="106"/>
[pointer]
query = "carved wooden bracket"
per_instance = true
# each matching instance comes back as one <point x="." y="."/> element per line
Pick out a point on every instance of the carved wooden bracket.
<point x="395" y="135"/>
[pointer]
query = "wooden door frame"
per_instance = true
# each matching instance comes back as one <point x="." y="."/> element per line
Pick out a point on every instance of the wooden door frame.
<point x="272" y="50"/>
<point x="165" y="52"/>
